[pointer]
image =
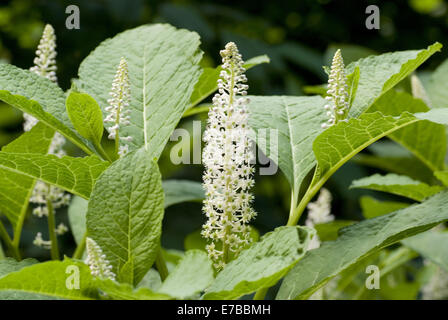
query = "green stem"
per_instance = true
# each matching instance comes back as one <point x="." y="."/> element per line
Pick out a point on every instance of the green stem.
<point x="52" y="231"/>
<point x="9" y="244"/>
<point x="161" y="265"/>
<point x="260" y="294"/>
<point x="80" y="248"/>
<point x="102" y="152"/>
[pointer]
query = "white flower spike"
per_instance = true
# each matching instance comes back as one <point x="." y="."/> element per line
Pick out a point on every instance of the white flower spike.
<point x="118" y="109"/>
<point x="96" y="260"/>
<point x="227" y="156"/>
<point x="45" y="66"/>
<point x="319" y="212"/>
<point x="40" y="242"/>
<point x="337" y="94"/>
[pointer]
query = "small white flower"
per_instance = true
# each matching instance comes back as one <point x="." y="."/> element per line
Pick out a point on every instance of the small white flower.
<point x="337" y="94"/>
<point x="38" y="241"/>
<point x="61" y="229"/>
<point x="118" y="109"/>
<point x="96" y="260"/>
<point x="226" y="157"/>
<point x="319" y="212"/>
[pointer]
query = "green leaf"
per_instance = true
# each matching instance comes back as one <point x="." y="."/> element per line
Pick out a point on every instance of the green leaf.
<point x="432" y="245"/>
<point x="407" y="165"/>
<point x="297" y="120"/>
<point x="163" y="65"/>
<point x="77" y="217"/>
<point x="436" y="86"/>
<point x="50" y="279"/>
<point x="123" y="291"/>
<point x="75" y="175"/>
<point x="40" y="98"/>
<point x="378" y="74"/>
<point x="358" y="241"/>
<point x="336" y="145"/>
<point x="399" y="185"/>
<point x="16" y="188"/>
<point x="329" y="231"/>
<point x="425" y="139"/>
<point x="125" y="214"/>
<point x="352" y="83"/>
<point x="208" y="81"/>
<point x="442" y="176"/>
<point x="262" y="265"/>
<point x="435" y="115"/>
<point x="9" y="265"/>
<point x="178" y="191"/>
<point x="372" y="208"/>
<point x="192" y="275"/>
<point x="86" y="116"/>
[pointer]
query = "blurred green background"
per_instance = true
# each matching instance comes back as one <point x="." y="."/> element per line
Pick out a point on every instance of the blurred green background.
<point x="298" y="36"/>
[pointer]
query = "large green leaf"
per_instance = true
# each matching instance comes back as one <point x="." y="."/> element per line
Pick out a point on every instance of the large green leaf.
<point x="435" y="115"/>
<point x="16" y="188"/>
<point x="425" y="139"/>
<point x="297" y="122"/>
<point x="177" y="191"/>
<point x="261" y="265"/>
<point x="399" y="185"/>
<point x="208" y="81"/>
<point x="40" y="98"/>
<point x="372" y="208"/>
<point x="9" y="265"/>
<point x="191" y="276"/>
<point x="125" y="214"/>
<point x="163" y="70"/>
<point x="436" y="86"/>
<point x="358" y="241"/>
<point x="378" y="74"/>
<point x="50" y="279"/>
<point x="75" y="175"/>
<point x="431" y="245"/>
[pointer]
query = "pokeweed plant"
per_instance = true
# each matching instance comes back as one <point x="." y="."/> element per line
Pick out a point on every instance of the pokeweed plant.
<point x="138" y="85"/>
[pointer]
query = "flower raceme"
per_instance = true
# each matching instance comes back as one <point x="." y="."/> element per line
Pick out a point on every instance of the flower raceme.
<point x="118" y="109"/>
<point x="97" y="262"/>
<point x="227" y="157"/>
<point x="45" y="66"/>
<point x="337" y="93"/>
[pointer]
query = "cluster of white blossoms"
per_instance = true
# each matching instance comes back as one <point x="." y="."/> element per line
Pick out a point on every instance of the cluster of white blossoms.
<point x="337" y="94"/>
<point x="45" y="66"/>
<point x="319" y="212"/>
<point x="97" y="262"/>
<point x="40" y="242"/>
<point x="227" y="158"/>
<point x="118" y="109"/>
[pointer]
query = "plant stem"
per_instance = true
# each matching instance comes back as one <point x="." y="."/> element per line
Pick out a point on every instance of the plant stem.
<point x="102" y="152"/>
<point x="161" y="265"/>
<point x="52" y="231"/>
<point x="260" y="294"/>
<point x="5" y="236"/>
<point x="80" y="248"/>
